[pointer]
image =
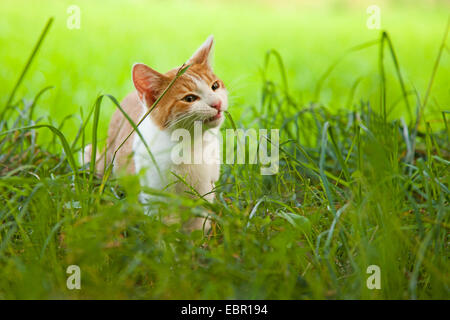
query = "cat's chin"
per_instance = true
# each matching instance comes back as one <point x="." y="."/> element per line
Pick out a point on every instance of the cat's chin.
<point x="214" y="121"/>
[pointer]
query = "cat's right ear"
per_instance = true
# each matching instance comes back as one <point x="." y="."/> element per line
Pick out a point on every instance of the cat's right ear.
<point x="204" y="53"/>
<point x="148" y="82"/>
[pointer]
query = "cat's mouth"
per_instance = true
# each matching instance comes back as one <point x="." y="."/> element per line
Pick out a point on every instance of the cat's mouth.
<point x="216" y="117"/>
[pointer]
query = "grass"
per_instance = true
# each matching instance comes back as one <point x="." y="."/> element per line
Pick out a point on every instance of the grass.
<point x="356" y="187"/>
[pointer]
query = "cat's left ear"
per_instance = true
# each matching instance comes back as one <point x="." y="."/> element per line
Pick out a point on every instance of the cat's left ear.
<point x="203" y="55"/>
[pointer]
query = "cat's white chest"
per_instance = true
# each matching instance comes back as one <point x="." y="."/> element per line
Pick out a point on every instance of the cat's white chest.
<point x="203" y="170"/>
<point x="153" y="172"/>
<point x="158" y="174"/>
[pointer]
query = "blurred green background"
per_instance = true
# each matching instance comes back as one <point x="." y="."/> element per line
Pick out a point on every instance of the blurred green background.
<point x="309" y="35"/>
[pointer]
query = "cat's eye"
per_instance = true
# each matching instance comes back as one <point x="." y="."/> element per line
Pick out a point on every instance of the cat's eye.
<point x="215" y="86"/>
<point x="190" y="98"/>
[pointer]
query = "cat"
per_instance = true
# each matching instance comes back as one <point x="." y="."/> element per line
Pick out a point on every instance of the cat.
<point x="197" y="95"/>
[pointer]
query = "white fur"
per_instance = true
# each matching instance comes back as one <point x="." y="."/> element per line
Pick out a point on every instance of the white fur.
<point x="200" y="175"/>
<point x="160" y="146"/>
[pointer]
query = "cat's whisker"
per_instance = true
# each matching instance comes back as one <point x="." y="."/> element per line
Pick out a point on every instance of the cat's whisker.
<point x="181" y="119"/>
<point x="171" y="123"/>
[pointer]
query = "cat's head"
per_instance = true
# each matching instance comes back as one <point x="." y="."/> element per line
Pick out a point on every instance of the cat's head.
<point x="198" y="94"/>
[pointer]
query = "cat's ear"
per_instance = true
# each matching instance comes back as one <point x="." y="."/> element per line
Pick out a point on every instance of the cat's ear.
<point x="148" y="82"/>
<point x="203" y="55"/>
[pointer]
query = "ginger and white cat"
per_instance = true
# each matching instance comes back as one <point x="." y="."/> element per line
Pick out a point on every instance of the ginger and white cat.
<point x="197" y="95"/>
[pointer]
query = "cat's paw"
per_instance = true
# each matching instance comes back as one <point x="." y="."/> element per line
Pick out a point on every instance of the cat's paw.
<point x="85" y="155"/>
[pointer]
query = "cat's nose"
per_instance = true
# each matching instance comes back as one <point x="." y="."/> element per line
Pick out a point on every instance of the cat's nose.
<point x="217" y="105"/>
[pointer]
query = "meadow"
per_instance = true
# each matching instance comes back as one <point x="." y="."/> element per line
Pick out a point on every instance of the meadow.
<point x="364" y="152"/>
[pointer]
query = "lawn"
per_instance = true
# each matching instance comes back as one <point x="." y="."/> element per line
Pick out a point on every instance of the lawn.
<point x="364" y="159"/>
